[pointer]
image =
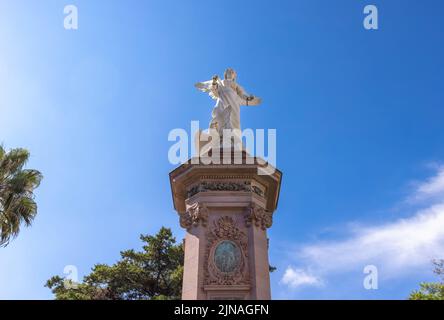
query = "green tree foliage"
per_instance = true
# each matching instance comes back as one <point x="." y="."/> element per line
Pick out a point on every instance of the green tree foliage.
<point x="17" y="205"/>
<point x="431" y="290"/>
<point x="154" y="273"/>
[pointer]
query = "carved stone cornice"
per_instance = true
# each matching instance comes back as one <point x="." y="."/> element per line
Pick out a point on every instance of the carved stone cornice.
<point x="258" y="216"/>
<point x="186" y="181"/>
<point x="195" y="214"/>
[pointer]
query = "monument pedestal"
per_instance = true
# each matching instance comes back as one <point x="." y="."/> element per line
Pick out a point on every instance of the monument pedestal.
<point x="226" y="210"/>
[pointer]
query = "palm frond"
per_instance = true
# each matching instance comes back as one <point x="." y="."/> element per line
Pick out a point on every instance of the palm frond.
<point x="17" y="205"/>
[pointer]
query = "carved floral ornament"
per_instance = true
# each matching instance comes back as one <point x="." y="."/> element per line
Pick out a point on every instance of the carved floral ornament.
<point x="205" y="186"/>
<point x="195" y="214"/>
<point x="225" y="235"/>
<point x="258" y="216"/>
<point x="198" y="213"/>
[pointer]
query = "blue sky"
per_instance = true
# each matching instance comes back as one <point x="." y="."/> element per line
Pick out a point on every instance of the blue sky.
<point x="358" y="116"/>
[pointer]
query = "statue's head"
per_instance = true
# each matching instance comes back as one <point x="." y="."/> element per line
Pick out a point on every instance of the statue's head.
<point x="230" y="74"/>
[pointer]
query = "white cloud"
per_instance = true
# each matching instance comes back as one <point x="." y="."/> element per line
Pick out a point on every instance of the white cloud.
<point x="432" y="189"/>
<point x="397" y="248"/>
<point x="298" y="277"/>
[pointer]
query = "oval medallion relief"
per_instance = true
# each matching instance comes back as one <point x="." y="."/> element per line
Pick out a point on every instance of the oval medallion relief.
<point x="227" y="256"/>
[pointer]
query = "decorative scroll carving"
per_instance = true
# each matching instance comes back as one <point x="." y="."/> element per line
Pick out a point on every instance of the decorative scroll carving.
<point x="195" y="214"/>
<point x="205" y="186"/>
<point x="258" y="216"/>
<point x="225" y="229"/>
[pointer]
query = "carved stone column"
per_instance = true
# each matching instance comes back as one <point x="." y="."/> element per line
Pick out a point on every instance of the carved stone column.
<point x="226" y="210"/>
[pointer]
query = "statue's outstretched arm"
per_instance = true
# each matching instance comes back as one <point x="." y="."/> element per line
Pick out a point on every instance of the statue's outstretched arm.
<point x="249" y="100"/>
<point x="253" y="101"/>
<point x="208" y="87"/>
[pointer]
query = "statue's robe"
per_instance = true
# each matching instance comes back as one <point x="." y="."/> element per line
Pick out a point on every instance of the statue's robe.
<point x="229" y="97"/>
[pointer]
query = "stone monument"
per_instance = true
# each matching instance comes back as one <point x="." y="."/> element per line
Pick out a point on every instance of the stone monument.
<point x="225" y="208"/>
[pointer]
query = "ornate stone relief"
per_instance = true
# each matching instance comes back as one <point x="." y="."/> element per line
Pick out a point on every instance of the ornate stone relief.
<point x="258" y="216"/>
<point x="226" y="254"/>
<point x="205" y="186"/>
<point x="195" y="214"/>
<point x="257" y="190"/>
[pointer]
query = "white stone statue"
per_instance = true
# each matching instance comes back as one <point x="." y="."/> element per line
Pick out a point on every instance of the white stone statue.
<point x="229" y="97"/>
